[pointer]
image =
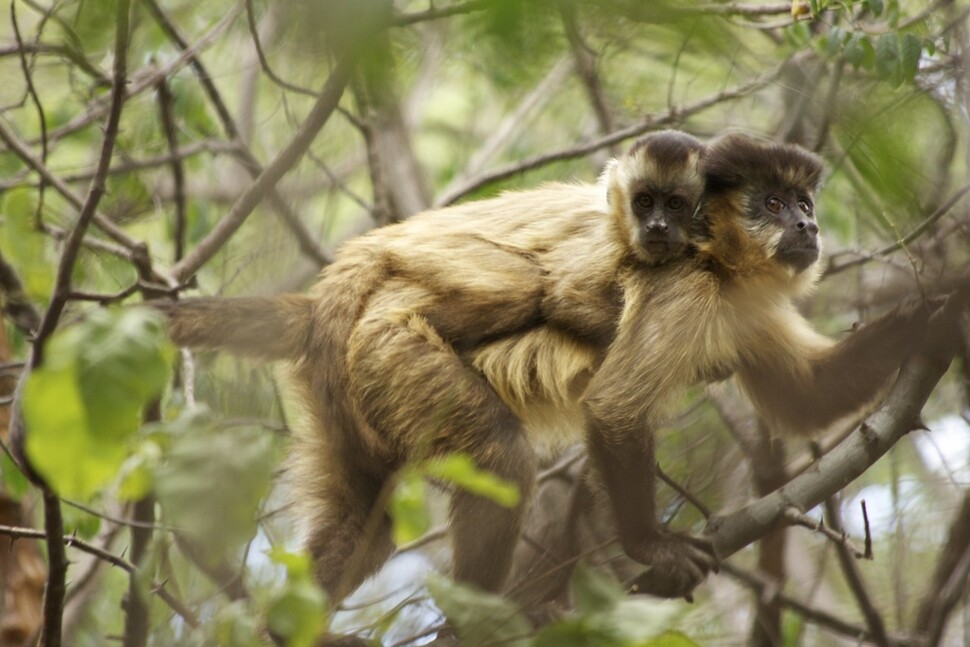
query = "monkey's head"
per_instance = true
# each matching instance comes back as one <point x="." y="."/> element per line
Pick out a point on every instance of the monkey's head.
<point x="760" y="206"/>
<point x="653" y="192"/>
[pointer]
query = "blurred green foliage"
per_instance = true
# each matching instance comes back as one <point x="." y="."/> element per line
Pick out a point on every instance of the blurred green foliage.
<point x="85" y="403"/>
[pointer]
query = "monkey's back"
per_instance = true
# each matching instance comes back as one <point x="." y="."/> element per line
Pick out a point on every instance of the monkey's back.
<point x="474" y="276"/>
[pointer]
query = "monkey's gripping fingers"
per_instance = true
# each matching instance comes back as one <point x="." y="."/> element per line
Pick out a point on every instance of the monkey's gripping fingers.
<point x="675" y="563"/>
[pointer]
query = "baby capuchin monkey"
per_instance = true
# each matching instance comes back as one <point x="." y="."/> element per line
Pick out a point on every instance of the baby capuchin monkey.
<point x="473" y="329"/>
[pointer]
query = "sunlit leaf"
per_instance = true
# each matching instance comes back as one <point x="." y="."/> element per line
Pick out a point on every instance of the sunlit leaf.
<point x="23" y="245"/>
<point x="460" y="470"/>
<point x="296" y="612"/>
<point x="14" y="481"/>
<point x="408" y="509"/>
<point x="84" y="403"/>
<point x="137" y="473"/>
<point x="298" y="565"/>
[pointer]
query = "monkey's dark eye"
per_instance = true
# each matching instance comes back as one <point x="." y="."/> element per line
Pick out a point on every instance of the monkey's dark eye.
<point x="676" y="203"/>
<point x="775" y="205"/>
<point x="644" y="201"/>
<point x="805" y="206"/>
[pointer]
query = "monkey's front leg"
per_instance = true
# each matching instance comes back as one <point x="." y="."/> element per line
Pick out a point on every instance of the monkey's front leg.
<point x="627" y="466"/>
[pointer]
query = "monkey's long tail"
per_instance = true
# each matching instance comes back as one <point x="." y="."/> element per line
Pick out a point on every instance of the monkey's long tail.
<point x="268" y="328"/>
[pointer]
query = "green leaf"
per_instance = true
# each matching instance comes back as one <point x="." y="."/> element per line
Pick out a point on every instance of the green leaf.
<point x="298" y="611"/>
<point x="14" y="481"/>
<point x="236" y="626"/>
<point x="855" y="53"/>
<point x="876" y="6"/>
<point x="85" y="402"/>
<point x="479" y="617"/>
<point x="887" y="58"/>
<point x="407" y="507"/>
<point x="298" y="565"/>
<point x="799" y="34"/>
<point x="80" y="522"/>
<point x="593" y="591"/>
<point x="297" y="614"/>
<point x="676" y="639"/>
<point x="461" y="470"/>
<point x="911" y="49"/>
<point x="137" y="474"/>
<point x="24" y="245"/>
<point x="211" y="483"/>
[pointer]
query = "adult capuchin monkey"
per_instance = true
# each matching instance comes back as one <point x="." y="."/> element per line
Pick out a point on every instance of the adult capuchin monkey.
<point x="395" y="349"/>
<point x="481" y="327"/>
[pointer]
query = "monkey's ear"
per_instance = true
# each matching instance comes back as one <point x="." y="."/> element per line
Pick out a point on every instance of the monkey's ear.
<point x="607" y="176"/>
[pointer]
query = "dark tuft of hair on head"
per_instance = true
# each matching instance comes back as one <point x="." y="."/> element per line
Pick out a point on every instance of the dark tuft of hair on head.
<point x="736" y="161"/>
<point x="670" y="146"/>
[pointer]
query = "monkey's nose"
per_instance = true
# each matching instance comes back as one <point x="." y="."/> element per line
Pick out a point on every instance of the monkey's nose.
<point x="807" y="226"/>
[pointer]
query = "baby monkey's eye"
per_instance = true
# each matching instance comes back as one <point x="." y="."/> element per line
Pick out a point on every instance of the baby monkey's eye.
<point x="644" y="201"/>
<point x="805" y="206"/>
<point x="676" y="203"/>
<point x="775" y="205"/>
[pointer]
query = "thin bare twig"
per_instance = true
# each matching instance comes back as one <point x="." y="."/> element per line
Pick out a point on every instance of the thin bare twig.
<point x="41" y="115"/>
<point x="72" y="55"/>
<point x="682" y="491"/>
<point x="649" y="123"/>
<point x="285" y="160"/>
<point x="905" y="240"/>
<point x="308" y="245"/>
<point x="178" y="173"/>
<point x="111" y="558"/>
<point x="853" y="577"/>
<point x="263" y="63"/>
<point x="18" y="147"/>
<point x="812" y="614"/>
<point x="53" y="521"/>
<point x="129" y="165"/>
<point x="435" y="13"/>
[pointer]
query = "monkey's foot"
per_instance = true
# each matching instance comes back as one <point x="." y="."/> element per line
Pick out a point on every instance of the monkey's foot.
<point x="675" y="565"/>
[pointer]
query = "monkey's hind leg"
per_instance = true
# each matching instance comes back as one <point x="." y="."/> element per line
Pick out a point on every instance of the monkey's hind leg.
<point x="417" y="392"/>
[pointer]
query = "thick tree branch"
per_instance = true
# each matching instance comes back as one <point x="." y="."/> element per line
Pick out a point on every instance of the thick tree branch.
<point x="898" y="415"/>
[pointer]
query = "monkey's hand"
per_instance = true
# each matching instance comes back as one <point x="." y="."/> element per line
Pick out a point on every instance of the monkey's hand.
<point x="676" y="563"/>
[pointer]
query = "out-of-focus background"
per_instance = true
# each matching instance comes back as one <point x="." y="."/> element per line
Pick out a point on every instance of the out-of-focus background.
<point x="250" y="137"/>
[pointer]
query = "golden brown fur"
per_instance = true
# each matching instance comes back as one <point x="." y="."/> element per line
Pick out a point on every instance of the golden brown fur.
<point x="468" y="329"/>
<point x="479" y="327"/>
